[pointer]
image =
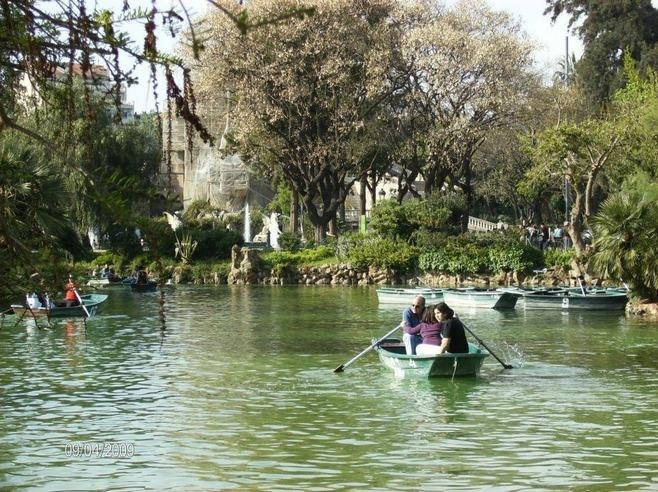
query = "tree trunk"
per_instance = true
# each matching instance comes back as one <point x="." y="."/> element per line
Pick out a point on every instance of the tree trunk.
<point x="320" y="233"/>
<point x="333" y="227"/>
<point x="575" y="227"/>
<point x="362" y="197"/>
<point x="468" y="189"/>
<point x="294" y="212"/>
<point x="373" y="194"/>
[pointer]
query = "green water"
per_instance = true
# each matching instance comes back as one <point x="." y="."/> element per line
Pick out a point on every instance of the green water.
<point x="240" y="394"/>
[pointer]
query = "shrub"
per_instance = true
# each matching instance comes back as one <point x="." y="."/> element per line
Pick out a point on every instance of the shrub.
<point x="480" y="253"/>
<point x="515" y="257"/>
<point x="282" y="260"/>
<point x="559" y="259"/>
<point x="389" y="219"/>
<point x="197" y="209"/>
<point x="279" y="261"/>
<point x="213" y="243"/>
<point x="364" y="250"/>
<point x="625" y="243"/>
<point x="110" y="258"/>
<point x="159" y="236"/>
<point x="401" y="221"/>
<point x="290" y="241"/>
<point x="454" y="258"/>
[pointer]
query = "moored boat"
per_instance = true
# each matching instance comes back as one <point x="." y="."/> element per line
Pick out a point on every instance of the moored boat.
<point x="402" y="295"/>
<point x="149" y="286"/>
<point x="392" y="354"/>
<point x="99" y="283"/>
<point x="92" y="302"/>
<point x="474" y="298"/>
<point x="570" y="299"/>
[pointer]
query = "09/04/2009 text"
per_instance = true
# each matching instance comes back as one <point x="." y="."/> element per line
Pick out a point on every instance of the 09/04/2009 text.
<point x="99" y="449"/>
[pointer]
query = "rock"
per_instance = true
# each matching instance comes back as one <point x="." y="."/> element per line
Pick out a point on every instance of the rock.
<point x="245" y="266"/>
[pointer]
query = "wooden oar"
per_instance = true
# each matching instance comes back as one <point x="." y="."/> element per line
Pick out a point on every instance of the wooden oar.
<point x="81" y="303"/>
<point x="506" y="366"/>
<point x="342" y="367"/>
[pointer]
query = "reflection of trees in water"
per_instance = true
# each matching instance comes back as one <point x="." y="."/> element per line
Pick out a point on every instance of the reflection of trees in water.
<point x="161" y="313"/>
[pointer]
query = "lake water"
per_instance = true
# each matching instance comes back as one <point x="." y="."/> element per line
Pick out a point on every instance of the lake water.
<point x="240" y="394"/>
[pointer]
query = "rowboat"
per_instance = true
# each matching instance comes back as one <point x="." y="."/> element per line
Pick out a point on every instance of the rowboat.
<point x="392" y="354"/>
<point x="106" y="282"/>
<point x="401" y="295"/>
<point x="149" y="286"/>
<point x="92" y="302"/>
<point x="474" y="298"/>
<point x="570" y="299"/>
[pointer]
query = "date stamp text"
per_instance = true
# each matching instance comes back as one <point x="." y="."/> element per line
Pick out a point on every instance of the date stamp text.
<point x="99" y="449"/>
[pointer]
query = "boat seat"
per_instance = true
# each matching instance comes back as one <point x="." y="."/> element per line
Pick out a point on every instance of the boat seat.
<point x="393" y="345"/>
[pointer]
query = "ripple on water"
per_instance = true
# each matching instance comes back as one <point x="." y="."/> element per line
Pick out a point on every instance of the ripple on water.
<point x="239" y="394"/>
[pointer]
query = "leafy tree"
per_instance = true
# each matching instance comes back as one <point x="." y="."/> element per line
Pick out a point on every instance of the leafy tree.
<point x="501" y="162"/>
<point x="37" y="40"/>
<point x="610" y="30"/>
<point x="581" y="152"/>
<point x="470" y="66"/>
<point x="305" y="91"/>
<point x="596" y="153"/>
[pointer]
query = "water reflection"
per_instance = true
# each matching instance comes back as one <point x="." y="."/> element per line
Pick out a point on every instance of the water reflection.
<point x="242" y="396"/>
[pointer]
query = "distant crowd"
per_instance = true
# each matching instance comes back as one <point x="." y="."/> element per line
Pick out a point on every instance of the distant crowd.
<point x="544" y="236"/>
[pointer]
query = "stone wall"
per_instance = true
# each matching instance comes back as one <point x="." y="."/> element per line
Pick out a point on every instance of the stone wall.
<point x="248" y="268"/>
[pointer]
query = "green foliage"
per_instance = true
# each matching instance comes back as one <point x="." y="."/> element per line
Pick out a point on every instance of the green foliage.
<point x="402" y="220"/>
<point x="109" y="258"/>
<point x="559" y="259"/>
<point x="364" y="250"/>
<point x="486" y="253"/>
<point x="454" y="258"/>
<point x="281" y="202"/>
<point x="290" y="241"/>
<point x="428" y="240"/>
<point x="516" y="257"/>
<point x="196" y="210"/>
<point x="125" y="242"/>
<point x="213" y="243"/>
<point x="281" y="261"/>
<point x="159" y="236"/>
<point x="609" y="29"/>
<point x="34" y="203"/>
<point x="185" y="247"/>
<point x="625" y="238"/>
<point x="256" y="219"/>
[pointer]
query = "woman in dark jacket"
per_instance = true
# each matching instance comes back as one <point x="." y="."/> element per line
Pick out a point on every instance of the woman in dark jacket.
<point x="452" y="332"/>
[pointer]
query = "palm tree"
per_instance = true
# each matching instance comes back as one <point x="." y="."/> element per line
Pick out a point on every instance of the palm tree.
<point x="33" y="207"/>
<point x="625" y="245"/>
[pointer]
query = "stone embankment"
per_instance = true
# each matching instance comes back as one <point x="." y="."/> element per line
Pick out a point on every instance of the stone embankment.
<point x="248" y="268"/>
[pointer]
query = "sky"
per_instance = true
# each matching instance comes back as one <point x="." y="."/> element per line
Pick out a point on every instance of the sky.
<point x="549" y="37"/>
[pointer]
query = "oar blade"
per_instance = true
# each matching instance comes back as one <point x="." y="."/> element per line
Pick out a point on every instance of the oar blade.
<point x="342" y="367"/>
